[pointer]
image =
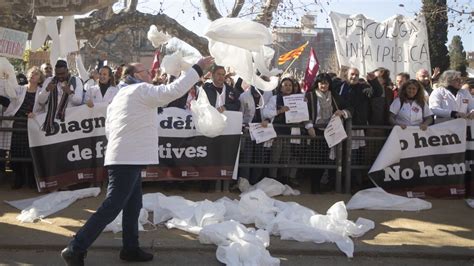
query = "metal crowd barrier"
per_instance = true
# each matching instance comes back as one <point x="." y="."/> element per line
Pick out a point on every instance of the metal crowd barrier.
<point x="311" y="153"/>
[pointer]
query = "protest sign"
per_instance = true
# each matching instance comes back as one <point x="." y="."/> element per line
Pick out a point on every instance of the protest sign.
<point x="399" y="43"/>
<point x="334" y="133"/>
<point x="418" y="163"/>
<point x="74" y="151"/>
<point x="12" y="43"/>
<point x="298" y="108"/>
<point x="261" y="134"/>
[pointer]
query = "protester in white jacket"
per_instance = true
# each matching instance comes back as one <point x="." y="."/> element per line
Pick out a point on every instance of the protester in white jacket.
<point x="448" y="101"/>
<point x="58" y="92"/>
<point x="131" y="130"/>
<point x="411" y="107"/>
<point x="21" y="106"/>
<point x="104" y="91"/>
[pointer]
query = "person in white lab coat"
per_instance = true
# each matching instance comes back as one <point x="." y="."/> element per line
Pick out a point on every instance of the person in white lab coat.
<point x="411" y="107"/>
<point x="448" y="101"/>
<point x="131" y="124"/>
<point x="104" y="91"/>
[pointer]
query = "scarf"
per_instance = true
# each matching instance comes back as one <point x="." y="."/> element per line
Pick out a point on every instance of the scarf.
<point x="325" y="106"/>
<point x="54" y="109"/>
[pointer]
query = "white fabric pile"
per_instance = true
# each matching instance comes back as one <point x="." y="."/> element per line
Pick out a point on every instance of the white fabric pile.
<point x="221" y="223"/>
<point x="270" y="186"/>
<point x="42" y="206"/>
<point x="378" y="199"/>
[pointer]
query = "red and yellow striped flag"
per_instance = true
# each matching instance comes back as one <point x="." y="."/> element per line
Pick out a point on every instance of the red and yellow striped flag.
<point x="293" y="54"/>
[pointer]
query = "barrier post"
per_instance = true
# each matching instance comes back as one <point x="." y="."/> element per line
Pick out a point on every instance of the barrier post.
<point x="339" y="167"/>
<point x="348" y="157"/>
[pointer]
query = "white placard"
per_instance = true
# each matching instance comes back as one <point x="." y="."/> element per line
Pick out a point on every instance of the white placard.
<point x="298" y="108"/>
<point x="334" y="132"/>
<point x="261" y="134"/>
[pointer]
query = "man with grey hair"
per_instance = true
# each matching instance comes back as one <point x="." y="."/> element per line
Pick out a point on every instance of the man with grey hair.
<point x="131" y="129"/>
<point x="448" y="101"/>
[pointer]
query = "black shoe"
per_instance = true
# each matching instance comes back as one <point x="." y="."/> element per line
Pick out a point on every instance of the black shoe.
<point x="73" y="258"/>
<point x="137" y="255"/>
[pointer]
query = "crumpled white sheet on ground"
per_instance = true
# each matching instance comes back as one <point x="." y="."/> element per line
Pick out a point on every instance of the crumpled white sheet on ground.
<point x="183" y="214"/>
<point x="470" y="202"/>
<point x="238" y="245"/>
<point x="296" y="222"/>
<point x="270" y="186"/>
<point x="42" y="206"/>
<point x="116" y="225"/>
<point x="288" y="220"/>
<point x="378" y="199"/>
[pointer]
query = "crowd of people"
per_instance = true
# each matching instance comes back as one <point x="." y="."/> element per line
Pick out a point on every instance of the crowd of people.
<point x="373" y="100"/>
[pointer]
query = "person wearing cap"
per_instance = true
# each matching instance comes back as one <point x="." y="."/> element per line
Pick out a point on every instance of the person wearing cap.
<point x="58" y="92"/>
<point x="131" y="129"/>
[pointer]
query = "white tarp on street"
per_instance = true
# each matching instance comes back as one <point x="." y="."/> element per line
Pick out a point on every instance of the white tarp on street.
<point x="378" y="199"/>
<point x="222" y="222"/>
<point x="42" y="206"/>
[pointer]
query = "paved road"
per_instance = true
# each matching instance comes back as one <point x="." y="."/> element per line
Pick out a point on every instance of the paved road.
<point x="172" y="258"/>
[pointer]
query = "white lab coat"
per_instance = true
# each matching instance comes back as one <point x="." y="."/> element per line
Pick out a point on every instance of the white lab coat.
<point x="442" y="102"/>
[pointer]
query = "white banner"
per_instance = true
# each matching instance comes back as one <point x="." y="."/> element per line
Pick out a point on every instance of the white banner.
<point x="399" y="43"/>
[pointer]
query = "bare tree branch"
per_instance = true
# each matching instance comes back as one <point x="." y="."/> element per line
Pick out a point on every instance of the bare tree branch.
<point x="210" y="9"/>
<point x="237" y="8"/>
<point x="265" y="16"/>
<point x="92" y="27"/>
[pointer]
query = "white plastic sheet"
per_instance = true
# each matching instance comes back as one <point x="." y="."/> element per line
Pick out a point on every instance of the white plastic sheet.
<point x="46" y="26"/>
<point x="174" y="64"/>
<point x="238" y="245"/>
<point x="270" y="186"/>
<point x="470" y="202"/>
<point x="67" y="37"/>
<point x="116" y="225"/>
<point x="207" y="119"/>
<point x="157" y="37"/>
<point x="240" y="44"/>
<point x="378" y="199"/>
<point x="41" y="207"/>
<point x="8" y="85"/>
<point x="295" y="222"/>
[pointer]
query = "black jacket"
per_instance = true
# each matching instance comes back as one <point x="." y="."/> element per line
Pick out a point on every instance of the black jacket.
<point x="356" y="99"/>
<point x="232" y="102"/>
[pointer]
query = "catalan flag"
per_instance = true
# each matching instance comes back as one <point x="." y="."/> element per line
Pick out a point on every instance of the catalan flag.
<point x="293" y="54"/>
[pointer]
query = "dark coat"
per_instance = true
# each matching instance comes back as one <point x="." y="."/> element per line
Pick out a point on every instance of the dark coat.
<point x="232" y="102"/>
<point x="356" y="99"/>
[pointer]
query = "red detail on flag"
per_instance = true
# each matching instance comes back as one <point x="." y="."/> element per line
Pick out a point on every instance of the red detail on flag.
<point x="156" y="64"/>
<point x="311" y="70"/>
<point x="293" y="54"/>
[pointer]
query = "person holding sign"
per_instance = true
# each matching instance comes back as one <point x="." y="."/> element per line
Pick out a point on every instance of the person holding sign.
<point x="281" y="147"/>
<point x="251" y="106"/>
<point x="449" y="101"/>
<point x="411" y="107"/>
<point x="322" y="105"/>
<point x="130" y="128"/>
